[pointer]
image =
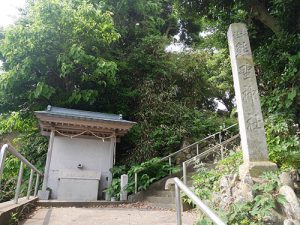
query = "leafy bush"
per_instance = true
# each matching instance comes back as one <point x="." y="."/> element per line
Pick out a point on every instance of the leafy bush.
<point x="206" y="181"/>
<point x="148" y="172"/>
<point x="231" y="163"/>
<point x="114" y="190"/>
<point x="21" y="130"/>
<point x="283" y="141"/>
<point x="256" y="211"/>
<point x="248" y="213"/>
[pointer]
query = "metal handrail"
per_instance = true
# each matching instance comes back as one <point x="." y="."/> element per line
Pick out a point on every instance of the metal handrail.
<point x="205" y="154"/>
<point x="197" y="142"/>
<point x="179" y="186"/>
<point x="181" y="150"/>
<point x="23" y="160"/>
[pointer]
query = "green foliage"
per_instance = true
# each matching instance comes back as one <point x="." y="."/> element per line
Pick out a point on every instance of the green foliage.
<point x="282" y="94"/>
<point x="14" y="218"/>
<point x="220" y="76"/>
<point x="254" y="212"/>
<point x="274" y="34"/>
<point x="114" y="190"/>
<point x="148" y="172"/>
<point x="71" y="53"/>
<point x="206" y="181"/>
<point x="283" y="141"/>
<point x="21" y="130"/>
<point x="231" y="163"/>
<point x="266" y="195"/>
<point x="174" y="106"/>
<point x="110" y="56"/>
<point x="117" y="171"/>
<point x="145" y="181"/>
<point x="9" y="178"/>
<point x="249" y="213"/>
<point x="57" y="53"/>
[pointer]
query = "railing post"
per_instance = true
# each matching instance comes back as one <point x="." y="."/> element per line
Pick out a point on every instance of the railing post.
<point x="135" y="183"/>
<point x="2" y="159"/>
<point x="178" y="204"/>
<point x="179" y="185"/>
<point x="19" y="183"/>
<point x="197" y="146"/>
<point x="170" y="164"/>
<point x="36" y="184"/>
<point x="184" y="172"/>
<point x="222" y="152"/>
<point x="220" y="142"/>
<point x="30" y="184"/>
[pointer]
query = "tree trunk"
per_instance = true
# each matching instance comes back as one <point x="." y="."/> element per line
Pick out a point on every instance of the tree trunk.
<point x="261" y="13"/>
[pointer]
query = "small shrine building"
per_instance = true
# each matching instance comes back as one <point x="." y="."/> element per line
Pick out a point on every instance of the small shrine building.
<point x="81" y="152"/>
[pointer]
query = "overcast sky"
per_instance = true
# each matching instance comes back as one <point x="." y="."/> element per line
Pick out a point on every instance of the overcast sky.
<point x="9" y="11"/>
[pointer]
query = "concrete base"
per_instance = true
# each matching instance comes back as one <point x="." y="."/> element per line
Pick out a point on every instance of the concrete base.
<point x="255" y="169"/>
<point x="78" y="204"/>
<point x="43" y="195"/>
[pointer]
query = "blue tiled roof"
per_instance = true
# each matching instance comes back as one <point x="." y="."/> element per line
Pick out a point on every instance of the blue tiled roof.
<point x="80" y="114"/>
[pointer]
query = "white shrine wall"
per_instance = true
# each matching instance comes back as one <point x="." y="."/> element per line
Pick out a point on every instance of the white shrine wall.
<point x="92" y="154"/>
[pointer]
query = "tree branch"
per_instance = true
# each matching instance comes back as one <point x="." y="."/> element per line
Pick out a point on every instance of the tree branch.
<point x="261" y="13"/>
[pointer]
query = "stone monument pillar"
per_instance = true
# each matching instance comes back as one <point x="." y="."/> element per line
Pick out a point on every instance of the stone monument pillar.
<point x="124" y="182"/>
<point x="252" y="132"/>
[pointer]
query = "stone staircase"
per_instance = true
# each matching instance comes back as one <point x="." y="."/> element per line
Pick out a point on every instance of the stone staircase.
<point x="156" y="196"/>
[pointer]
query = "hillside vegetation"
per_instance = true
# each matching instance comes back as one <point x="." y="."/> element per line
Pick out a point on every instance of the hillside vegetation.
<point x="110" y="56"/>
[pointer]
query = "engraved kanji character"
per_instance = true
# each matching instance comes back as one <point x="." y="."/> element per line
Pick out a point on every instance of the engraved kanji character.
<point x="242" y="48"/>
<point x="249" y="94"/>
<point x="253" y="122"/>
<point x="239" y="34"/>
<point x="245" y="71"/>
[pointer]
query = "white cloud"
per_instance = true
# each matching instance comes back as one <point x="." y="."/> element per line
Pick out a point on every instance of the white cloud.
<point x="9" y="11"/>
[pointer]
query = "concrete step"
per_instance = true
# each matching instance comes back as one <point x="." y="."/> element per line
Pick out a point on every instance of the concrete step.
<point x="160" y="184"/>
<point x="160" y="200"/>
<point x="161" y="193"/>
<point x="78" y="204"/>
<point x="162" y="205"/>
<point x="172" y="206"/>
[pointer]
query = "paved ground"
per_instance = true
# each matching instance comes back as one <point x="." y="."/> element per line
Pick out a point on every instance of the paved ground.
<point x="105" y="216"/>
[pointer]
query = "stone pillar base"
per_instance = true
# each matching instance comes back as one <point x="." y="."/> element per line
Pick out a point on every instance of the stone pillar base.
<point x="43" y="195"/>
<point x="123" y="196"/>
<point x="255" y="169"/>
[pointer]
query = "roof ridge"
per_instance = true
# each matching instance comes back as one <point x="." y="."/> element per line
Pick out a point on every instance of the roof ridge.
<point x="59" y="111"/>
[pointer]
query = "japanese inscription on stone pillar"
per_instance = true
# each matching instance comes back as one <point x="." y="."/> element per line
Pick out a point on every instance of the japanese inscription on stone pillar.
<point x="250" y="118"/>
